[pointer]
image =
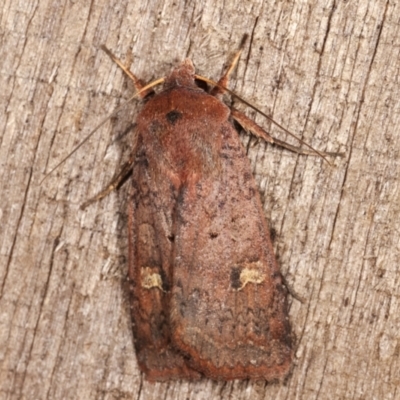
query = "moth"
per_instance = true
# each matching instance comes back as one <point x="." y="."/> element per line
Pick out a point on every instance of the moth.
<point x="207" y="296"/>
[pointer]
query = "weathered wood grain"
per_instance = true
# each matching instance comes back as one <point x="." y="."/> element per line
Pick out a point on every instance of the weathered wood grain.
<point x="327" y="70"/>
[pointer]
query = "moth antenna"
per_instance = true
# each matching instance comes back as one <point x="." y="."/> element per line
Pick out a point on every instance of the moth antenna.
<point x="219" y="89"/>
<point x="116" y="111"/>
<point x="232" y="93"/>
<point x="135" y="79"/>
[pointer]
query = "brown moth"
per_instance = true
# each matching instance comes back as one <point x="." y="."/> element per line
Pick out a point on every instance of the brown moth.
<point x="207" y="296"/>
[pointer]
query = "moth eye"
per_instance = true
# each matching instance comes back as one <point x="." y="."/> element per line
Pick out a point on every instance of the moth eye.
<point x="173" y="116"/>
<point x="151" y="279"/>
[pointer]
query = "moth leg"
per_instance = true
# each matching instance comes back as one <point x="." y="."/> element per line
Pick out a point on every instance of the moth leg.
<point x="223" y="81"/>
<point x="138" y="83"/>
<point x="114" y="184"/>
<point x="250" y="126"/>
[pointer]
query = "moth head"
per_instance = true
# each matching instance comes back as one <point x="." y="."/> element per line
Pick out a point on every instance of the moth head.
<point x="182" y="75"/>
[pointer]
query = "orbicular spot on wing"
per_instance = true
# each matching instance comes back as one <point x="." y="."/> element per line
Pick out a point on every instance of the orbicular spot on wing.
<point x="246" y="273"/>
<point x="173" y="116"/>
<point x="151" y="279"/>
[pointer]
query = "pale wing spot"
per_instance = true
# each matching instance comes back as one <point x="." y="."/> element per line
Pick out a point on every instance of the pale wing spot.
<point x="251" y="276"/>
<point x="151" y="279"/>
<point x="251" y="273"/>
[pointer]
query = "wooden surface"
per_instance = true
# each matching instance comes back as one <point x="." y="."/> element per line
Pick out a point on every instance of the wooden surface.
<point x="328" y="71"/>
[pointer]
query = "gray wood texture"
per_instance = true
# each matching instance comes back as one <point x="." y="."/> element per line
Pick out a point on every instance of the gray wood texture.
<point x="326" y="70"/>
